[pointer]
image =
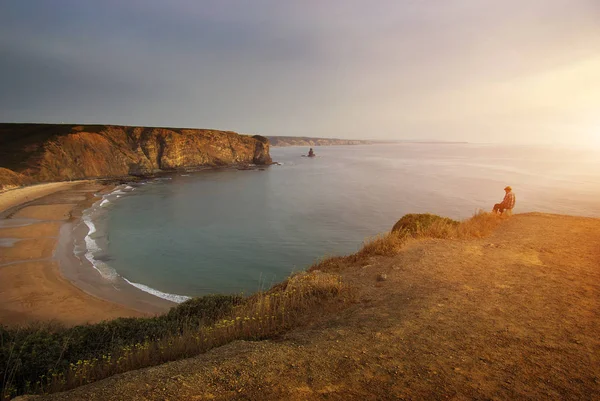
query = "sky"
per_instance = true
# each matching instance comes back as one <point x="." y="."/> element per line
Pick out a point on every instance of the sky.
<point x="511" y="71"/>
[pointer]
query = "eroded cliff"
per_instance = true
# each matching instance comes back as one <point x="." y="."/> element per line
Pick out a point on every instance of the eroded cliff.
<point x="51" y="152"/>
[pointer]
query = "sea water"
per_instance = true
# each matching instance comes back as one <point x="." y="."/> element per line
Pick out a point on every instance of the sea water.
<point x="232" y="231"/>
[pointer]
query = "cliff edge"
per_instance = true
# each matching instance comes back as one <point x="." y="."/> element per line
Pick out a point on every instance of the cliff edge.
<point x="514" y="315"/>
<point x="32" y="153"/>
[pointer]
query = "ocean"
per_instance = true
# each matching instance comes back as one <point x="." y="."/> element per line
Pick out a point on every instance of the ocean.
<point x="240" y="231"/>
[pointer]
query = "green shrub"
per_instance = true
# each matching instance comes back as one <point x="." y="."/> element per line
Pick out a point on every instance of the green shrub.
<point x="29" y="353"/>
<point x="418" y="223"/>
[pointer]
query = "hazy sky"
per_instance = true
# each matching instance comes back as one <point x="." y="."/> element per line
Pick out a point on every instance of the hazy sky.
<point x="474" y="70"/>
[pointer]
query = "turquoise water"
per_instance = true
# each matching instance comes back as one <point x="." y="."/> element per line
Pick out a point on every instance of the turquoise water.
<point x="237" y="231"/>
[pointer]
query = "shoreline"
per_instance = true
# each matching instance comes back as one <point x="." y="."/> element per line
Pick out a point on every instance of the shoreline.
<point x="41" y="278"/>
<point x="85" y="275"/>
<point x="80" y="271"/>
<point x="11" y="199"/>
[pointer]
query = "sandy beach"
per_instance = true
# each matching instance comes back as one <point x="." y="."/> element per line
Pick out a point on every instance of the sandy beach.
<point x="16" y="197"/>
<point x="40" y="277"/>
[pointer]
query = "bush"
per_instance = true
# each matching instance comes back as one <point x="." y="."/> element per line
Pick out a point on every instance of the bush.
<point x="420" y="226"/>
<point x="48" y="358"/>
<point x="28" y="354"/>
<point x="418" y="223"/>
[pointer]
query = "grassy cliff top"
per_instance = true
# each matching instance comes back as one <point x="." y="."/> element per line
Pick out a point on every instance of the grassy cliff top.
<point x="489" y="309"/>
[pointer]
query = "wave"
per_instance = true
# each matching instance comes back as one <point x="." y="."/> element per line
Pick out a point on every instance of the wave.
<point x="118" y="192"/>
<point x="93" y="249"/>
<point x="88" y="222"/>
<point x="169" y="297"/>
<point x="92" y="246"/>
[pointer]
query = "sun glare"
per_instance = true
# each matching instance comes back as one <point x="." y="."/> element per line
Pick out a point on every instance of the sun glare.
<point x="595" y="137"/>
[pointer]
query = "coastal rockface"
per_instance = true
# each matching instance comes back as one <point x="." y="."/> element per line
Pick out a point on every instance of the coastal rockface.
<point x="50" y="152"/>
<point x="281" y="141"/>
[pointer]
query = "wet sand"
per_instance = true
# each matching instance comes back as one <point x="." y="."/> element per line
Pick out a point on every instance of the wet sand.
<point x="40" y="277"/>
<point x="16" y="197"/>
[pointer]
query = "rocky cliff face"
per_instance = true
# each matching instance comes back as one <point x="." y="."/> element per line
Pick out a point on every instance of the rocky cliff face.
<point x="281" y="141"/>
<point x="45" y="152"/>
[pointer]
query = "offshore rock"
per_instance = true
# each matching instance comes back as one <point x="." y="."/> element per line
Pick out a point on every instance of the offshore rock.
<point x="53" y="152"/>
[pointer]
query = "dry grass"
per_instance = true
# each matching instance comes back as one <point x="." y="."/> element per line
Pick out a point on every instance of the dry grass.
<point x="265" y="314"/>
<point x="384" y="244"/>
<point x="261" y="316"/>
<point x="389" y="244"/>
<point x="480" y="225"/>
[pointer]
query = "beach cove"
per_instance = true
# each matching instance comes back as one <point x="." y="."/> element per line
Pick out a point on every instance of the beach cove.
<point x="227" y="231"/>
<point x="40" y="277"/>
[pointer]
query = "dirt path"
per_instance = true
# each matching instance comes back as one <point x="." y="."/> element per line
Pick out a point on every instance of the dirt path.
<point x="512" y="316"/>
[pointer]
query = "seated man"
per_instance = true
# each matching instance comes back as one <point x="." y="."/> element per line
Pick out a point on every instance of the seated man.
<point x="311" y="153"/>
<point x="507" y="203"/>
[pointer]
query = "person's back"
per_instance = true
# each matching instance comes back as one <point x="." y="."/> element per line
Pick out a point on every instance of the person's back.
<point x="507" y="204"/>
<point x="509" y="200"/>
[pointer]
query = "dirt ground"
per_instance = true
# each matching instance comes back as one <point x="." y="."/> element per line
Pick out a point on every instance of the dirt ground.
<point x="512" y="316"/>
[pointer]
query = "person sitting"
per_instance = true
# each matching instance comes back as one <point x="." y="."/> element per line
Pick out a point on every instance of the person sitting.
<point x="507" y="203"/>
<point x="311" y="153"/>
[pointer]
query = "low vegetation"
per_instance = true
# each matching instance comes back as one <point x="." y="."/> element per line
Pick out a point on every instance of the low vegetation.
<point x="419" y="226"/>
<point x="421" y="223"/>
<point x="47" y="358"/>
<point x="414" y="227"/>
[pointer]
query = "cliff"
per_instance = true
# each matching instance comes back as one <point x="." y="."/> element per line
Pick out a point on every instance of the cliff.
<point x="50" y="152"/>
<point x="281" y="141"/>
<point x="507" y="316"/>
<point x="9" y="179"/>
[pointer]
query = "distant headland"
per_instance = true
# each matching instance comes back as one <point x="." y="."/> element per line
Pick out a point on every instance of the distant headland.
<point x="33" y="153"/>
<point x="281" y="141"/>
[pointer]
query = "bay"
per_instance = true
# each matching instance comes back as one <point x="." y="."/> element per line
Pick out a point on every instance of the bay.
<point x="230" y="231"/>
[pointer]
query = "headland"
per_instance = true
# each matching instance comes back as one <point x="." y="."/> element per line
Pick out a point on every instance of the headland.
<point x="283" y="141"/>
<point x="35" y="153"/>
<point x="507" y="314"/>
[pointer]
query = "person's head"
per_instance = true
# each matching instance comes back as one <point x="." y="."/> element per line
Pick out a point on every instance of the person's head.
<point x="508" y="189"/>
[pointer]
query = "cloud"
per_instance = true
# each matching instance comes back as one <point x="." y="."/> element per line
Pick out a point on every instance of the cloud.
<point x="443" y="69"/>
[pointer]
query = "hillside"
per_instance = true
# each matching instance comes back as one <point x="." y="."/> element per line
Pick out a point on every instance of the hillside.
<point x="50" y="152"/>
<point x="514" y="315"/>
<point x="281" y="141"/>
